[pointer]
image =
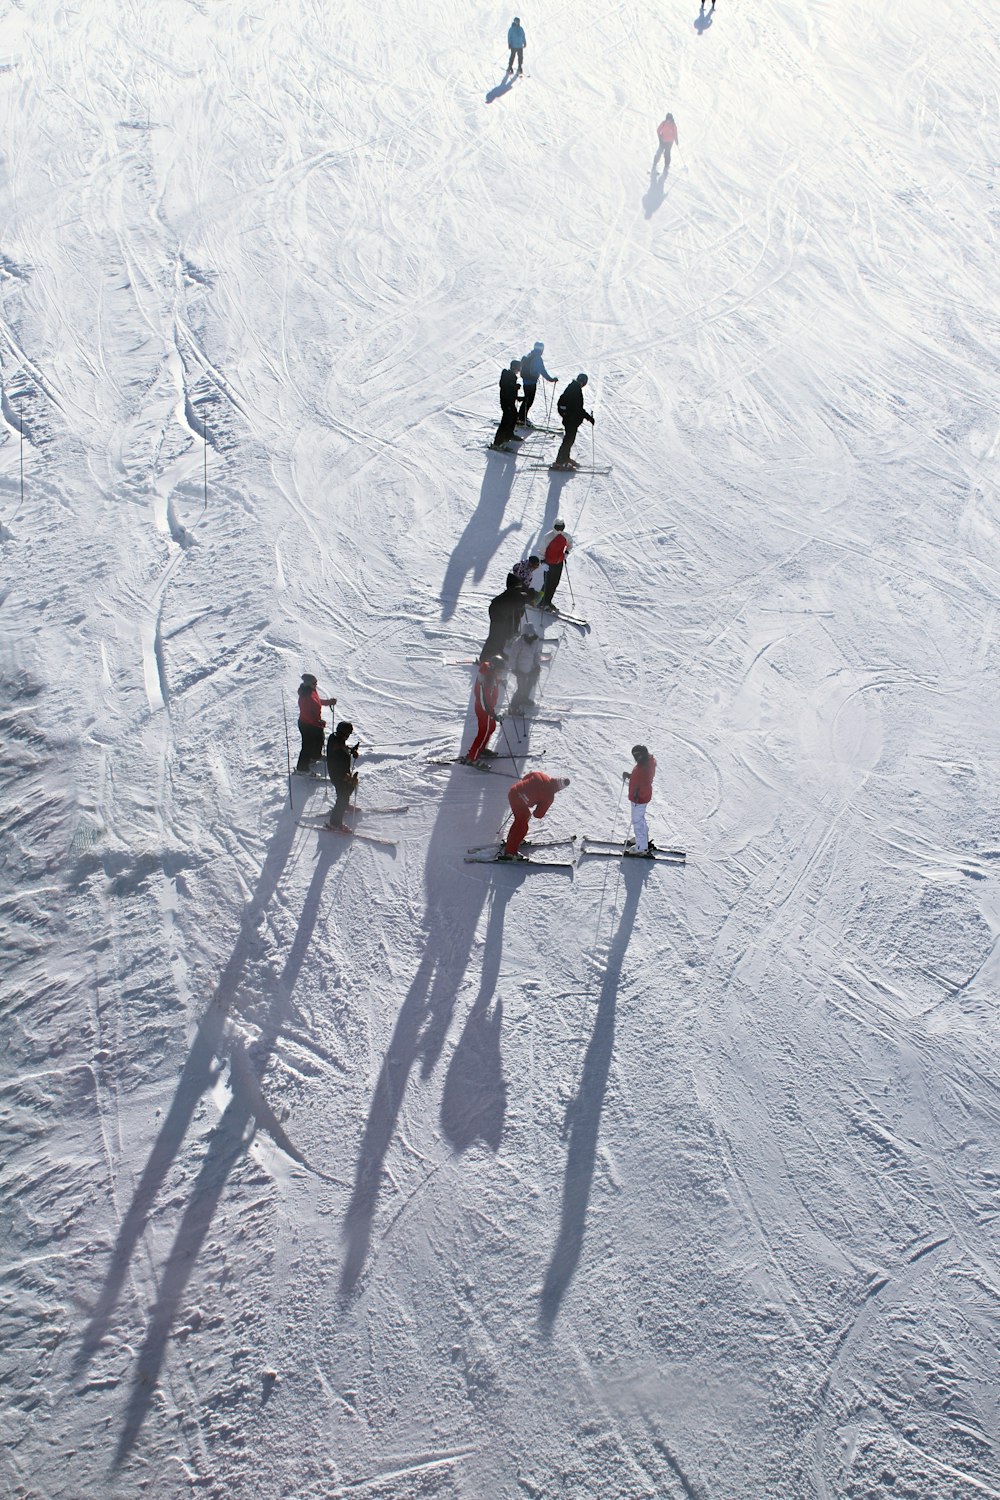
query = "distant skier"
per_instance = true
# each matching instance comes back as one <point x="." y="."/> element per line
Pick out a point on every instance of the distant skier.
<point x="533" y="795"/>
<point x="570" y="408"/>
<point x="517" y="41"/>
<point x="525" y="658"/>
<point x="532" y="370"/>
<point x="557" y="548"/>
<point x="506" y="610"/>
<point x="640" y="792"/>
<point x="484" y="697"/>
<point x="311" y="722"/>
<point x="508" y="404"/>
<point x="666" y="134"/>
<point x="340" y="768"/>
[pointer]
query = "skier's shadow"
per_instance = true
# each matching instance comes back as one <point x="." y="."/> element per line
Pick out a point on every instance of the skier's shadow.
<point x="501" y="89"/>
<point x="229" y="1140"/>
<point x="583" y="1113"/>
<point x="653" y="196"/>
<point x="483" y="535"/>
<point x="474" y="1099"/>
<point x="450" y="923"/>
<point x="702" y="21"/>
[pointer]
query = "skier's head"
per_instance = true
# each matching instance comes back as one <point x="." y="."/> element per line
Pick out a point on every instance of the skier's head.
<point x="670" y="116"/>
<point x="343" y="729"/>
<point x="517" y="20"/>
<point x="558" y="525"/>
<point x="515" y="365"/>
<point x="640" y="753"/>
<point x="539" y="346"/>
<point x="529" y="633"/>
<point x="534" y="562"/>
<point x="562" y="783"/>
<point x="581" y="379"/>
<point x="308" y="681"/>
<point x="498" y="662"/>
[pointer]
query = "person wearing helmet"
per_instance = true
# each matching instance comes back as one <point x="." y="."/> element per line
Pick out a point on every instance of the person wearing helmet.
<point x="489" y="681"/>
<point x="516" y="41"/>
<point x="640" y="793"/>
<point x="557" y="549"/>
<point x="525" y="658"/>
<point x="340" y="768"/>
<point x="532" y="796"/>
<point x="508" y="406"/>
<point x="311" y="722"/>
<point x="532" y="370"/>
<point x="570" y="408"/>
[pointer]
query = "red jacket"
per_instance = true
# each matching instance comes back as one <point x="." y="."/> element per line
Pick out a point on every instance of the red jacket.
<point x="487" y="690"/>
<point x="536" y="790"/>
<point x="557" y="549"/>
<point x="640" y="783"/>
<point x="311" y="709"/>
<point x="667" y="132"/>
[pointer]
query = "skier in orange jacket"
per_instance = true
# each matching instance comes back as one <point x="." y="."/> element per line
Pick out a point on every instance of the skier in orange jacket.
<point x="533" y="795"/>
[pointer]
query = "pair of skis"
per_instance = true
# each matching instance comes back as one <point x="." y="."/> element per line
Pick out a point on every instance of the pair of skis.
<point x="489" y="854"/>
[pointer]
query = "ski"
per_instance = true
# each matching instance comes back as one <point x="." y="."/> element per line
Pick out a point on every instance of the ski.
<point x="548" y="431"/>
<point x="519" y="862"/>
<point x="582" y="469"/>
<point x="319" y="826"/>
<point x="380" y="812"/>
<point x="527" y="844"/>
<point x="556" y="615"/>
<point x="484" y="769"/>
<point x="611" y="849"/>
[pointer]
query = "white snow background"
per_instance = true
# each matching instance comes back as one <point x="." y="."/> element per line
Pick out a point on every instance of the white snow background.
<point x="341" y="1168"/>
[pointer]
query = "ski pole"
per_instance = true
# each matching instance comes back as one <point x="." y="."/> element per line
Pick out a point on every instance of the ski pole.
<point x="288" y="753"/>
<point x="569" y="580"/>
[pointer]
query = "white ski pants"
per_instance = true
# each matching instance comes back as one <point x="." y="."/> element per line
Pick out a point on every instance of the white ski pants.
<point x="639" y="825"/>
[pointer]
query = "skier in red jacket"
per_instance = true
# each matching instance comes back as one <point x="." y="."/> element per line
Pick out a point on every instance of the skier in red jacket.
<point x="484" y="697"/>
<point x="311" y="721"/>
<point x="666" y="134"/>
<point x="557" y="548"/>
<point x="640" y="792"/>
<point x="532" y="795"/>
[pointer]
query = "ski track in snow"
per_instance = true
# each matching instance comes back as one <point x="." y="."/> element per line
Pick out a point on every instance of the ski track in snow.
<point x="339" y="1167"/>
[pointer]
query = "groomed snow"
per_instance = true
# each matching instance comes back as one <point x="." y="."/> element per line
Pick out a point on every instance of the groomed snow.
<point x="347" y="1169"/>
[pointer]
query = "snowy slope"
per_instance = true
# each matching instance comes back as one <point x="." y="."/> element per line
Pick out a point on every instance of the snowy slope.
<point x="343" y="1168"/>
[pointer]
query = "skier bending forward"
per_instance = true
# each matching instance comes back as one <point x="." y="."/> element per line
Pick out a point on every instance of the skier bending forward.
<point x="533" y="794"/>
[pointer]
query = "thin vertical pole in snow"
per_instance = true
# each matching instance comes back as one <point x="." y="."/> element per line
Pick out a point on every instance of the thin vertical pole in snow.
<point x="20" y="423"/>
<point x="288" y="754"/>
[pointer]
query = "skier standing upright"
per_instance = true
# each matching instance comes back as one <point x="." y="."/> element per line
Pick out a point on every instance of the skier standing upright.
<point x="484" y="697"/>
<point x="571" y="409"/>
<point x="557" y="549"/>
<point x="640" y="793"/>
<point x="340" y="768"/>
<point x="532" y="370"/>
<point x="508" y="404"/>
<point x="516" y="41"/>
<point x="666" y="134"/>
<point x="533" y="795"/>
<point x="311" y="721"/>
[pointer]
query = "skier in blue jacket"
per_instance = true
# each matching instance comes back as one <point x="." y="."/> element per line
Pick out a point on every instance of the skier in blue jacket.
<point x="517" y="42"/>
<point x="532" y="371"/>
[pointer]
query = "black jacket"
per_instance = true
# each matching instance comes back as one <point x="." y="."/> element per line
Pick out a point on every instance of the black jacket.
<point x="570" y="405"/>
<point x="339" y="761"/>
<point x="508" y="389"/>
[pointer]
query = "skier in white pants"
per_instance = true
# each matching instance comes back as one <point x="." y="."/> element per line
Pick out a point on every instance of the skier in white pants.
<point x="640" y="792"/>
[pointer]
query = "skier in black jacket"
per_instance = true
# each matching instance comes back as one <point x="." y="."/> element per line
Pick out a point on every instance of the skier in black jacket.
<point x="506" y="610"/>
<point x="340" y="768"/>
<point x="508" y="404"/>
<point x="570" y="408"/>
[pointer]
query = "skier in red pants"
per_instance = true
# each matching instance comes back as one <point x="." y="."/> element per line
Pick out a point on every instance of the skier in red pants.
<point x="533" y="794"/>
<point x="485" y="695"/>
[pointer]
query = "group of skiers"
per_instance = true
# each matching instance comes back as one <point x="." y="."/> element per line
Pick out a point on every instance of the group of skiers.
<point x="340" y="756"/>
<point x="518" y="385"/>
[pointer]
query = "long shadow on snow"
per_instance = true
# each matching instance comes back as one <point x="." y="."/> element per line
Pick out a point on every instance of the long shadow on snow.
<point x="653" y="197"/>
<point x="204" y="1064"/>
<point x="583" y="1113"/>
<point x="483" y="535"/>
<point x="450" y="922"/>
<point x="474" y="1099"/>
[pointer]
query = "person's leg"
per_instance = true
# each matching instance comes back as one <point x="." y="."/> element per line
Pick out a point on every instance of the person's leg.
<point x="553" y="573"/>
<point x="520" y="52"/>
<point x="486" y="727"/>
<point x="312" y="746"/>
<point x="519" y="827"/>
<point x="510" y="65"/>
<point x="639" y="827"/>
<point x="341" y="804"/>
<point x="527" y="400"/>
<point x="569" y="440"/>
<point x="562" y="456"/>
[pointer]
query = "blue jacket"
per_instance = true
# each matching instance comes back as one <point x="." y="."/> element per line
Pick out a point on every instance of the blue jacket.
<point x="516" y="37"/>
<point x="533" y="368"/>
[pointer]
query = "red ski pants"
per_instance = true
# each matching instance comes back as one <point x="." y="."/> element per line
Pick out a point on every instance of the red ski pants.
<point x="487" y="724"/>
<point x="519" y="827"/>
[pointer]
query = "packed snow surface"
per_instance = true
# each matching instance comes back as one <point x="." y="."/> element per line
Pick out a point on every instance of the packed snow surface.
<point x="340" y="1167"/>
